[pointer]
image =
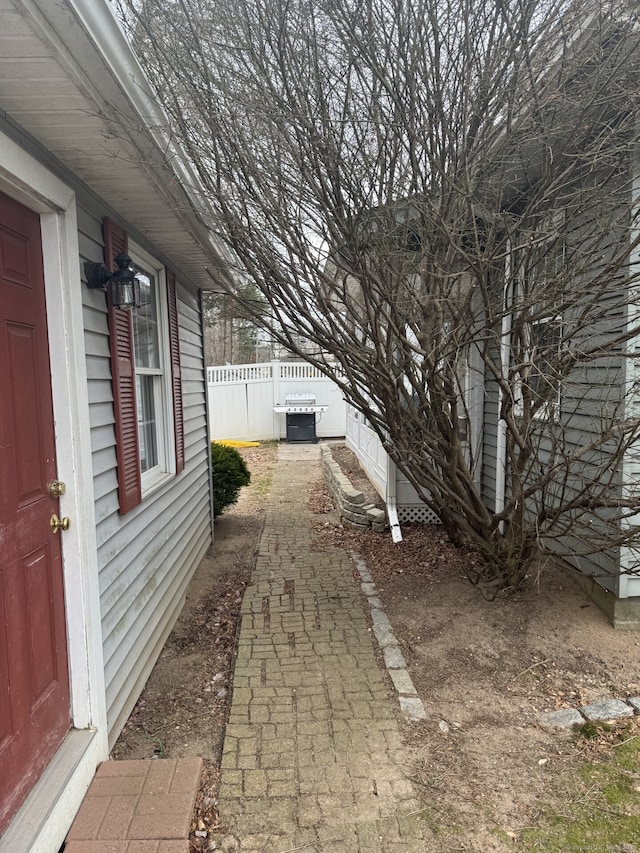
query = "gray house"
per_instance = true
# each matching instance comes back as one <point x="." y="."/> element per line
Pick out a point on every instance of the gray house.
<point x="544" y="300"/>
<point x="105" y="486"/>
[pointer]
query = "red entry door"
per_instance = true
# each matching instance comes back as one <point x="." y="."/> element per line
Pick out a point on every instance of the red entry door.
<point x="34" y="680"/>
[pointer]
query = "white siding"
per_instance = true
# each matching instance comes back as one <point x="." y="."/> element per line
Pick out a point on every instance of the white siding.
<point x="489" y="471"/>
<point x="366" y="445"/>
<point x="146" y="557"/>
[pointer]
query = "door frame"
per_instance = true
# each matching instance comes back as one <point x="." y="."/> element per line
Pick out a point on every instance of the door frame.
<point x="30" y="183"/>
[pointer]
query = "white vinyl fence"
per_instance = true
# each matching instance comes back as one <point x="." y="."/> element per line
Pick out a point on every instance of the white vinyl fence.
<point x="241" y="397"/>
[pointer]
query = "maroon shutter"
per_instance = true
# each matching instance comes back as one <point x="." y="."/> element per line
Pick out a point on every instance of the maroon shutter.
<point x="124" y="381"/>
<point x="176" y="376"/>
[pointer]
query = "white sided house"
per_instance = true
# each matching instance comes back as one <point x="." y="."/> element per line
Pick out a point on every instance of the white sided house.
<point x="105" y="486"/>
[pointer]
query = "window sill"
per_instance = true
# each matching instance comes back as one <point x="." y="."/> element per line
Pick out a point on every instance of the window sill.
<point x="550" y="412"/>
<point x="154" y="480"/>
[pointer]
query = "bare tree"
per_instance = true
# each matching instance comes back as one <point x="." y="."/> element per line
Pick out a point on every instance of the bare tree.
<point x="230" y="335"/>
<point x="438" y="194"/>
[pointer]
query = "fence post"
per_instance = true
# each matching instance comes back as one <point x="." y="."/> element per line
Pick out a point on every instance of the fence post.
<point x="275" y="374"/>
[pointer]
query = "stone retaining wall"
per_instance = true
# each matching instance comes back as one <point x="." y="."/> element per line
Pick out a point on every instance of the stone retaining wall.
<point x="349" y="502"/>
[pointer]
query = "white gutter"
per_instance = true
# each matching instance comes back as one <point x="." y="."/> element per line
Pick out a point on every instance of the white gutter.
<point x="103" y="41"/>
<point x="207" y="407"/>
<point x="100" y="24"/>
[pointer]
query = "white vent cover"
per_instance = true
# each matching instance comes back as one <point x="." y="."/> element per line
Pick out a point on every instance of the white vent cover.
<point x="419" y="513"/>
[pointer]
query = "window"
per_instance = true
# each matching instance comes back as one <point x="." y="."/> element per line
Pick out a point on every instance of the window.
<point x="151" y="370"/>
<point x="537" y="351"/>
<point x="146" y="376"/>
<point x="537" y="294"/>
<point x="545" y="336"/>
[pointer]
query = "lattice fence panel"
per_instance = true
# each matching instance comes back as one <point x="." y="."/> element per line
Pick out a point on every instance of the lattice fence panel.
<point x="419" y="513"/>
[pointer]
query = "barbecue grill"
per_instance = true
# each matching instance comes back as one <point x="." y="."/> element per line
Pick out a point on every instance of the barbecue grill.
<point x="301" y="410"/>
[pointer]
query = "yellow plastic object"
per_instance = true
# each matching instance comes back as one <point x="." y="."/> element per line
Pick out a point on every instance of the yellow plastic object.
<point x="233" y="442"/>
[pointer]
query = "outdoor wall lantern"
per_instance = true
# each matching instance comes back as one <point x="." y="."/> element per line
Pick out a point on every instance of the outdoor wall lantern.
<point x="123" y="285"/>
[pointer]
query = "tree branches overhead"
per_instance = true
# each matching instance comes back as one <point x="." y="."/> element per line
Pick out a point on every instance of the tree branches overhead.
<point x="438" y="194"/>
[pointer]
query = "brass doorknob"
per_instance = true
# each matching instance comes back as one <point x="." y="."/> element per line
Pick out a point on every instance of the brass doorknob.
<point x="59" y="523"/>
<point x="56" y="488"/>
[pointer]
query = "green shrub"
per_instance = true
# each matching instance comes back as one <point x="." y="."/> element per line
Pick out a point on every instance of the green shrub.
<point x="230" y="474"/>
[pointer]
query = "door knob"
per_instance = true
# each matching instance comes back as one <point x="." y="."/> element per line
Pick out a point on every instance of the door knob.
<point x="56" y="488"/>
<point x="59" y="523"/>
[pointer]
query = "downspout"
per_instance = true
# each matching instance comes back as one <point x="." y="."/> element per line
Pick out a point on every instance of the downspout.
<point x="276" y="376"/>
<point x="505" y="357"/>
<point x="390" y="500"/>
<point x="207" y="412"/>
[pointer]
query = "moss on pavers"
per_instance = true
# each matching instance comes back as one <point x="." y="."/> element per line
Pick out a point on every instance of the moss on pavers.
<point x="266" y="815"/>
<point x="272" y="752"/>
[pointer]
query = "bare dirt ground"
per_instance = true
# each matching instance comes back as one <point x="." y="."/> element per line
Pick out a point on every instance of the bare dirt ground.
<point x="484" y="670"/>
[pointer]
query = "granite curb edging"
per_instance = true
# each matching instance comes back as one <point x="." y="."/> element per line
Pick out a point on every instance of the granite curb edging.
<point x="413" y="707"/>
<point x="410" y="704"/>
<point x="607" y="709"/>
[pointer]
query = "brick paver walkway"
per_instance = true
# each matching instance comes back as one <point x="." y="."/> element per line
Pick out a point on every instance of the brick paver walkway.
<point x="313" y="759"/>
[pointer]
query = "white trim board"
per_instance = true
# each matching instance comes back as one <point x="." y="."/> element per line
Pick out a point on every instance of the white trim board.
<point x="629" y="583"/>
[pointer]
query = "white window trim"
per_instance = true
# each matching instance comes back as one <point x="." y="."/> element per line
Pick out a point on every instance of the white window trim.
<point x="155" y="477"/>
<point x="550" y="410"/>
